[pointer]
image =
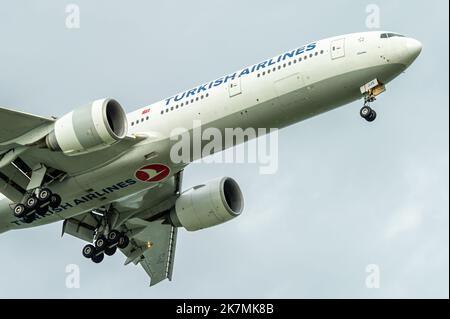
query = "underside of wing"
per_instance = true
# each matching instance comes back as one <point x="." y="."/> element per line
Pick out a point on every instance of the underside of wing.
<point x="140" y="217"/>
<point x="15" y="124"/>
<point x="153" y="246"/>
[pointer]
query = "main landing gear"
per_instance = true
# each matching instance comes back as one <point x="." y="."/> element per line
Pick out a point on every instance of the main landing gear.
<point x="36" y="202"/>
<point x="105" y="245"/>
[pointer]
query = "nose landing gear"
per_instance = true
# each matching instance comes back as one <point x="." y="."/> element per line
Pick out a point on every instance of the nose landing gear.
<point x="370" y="91"/>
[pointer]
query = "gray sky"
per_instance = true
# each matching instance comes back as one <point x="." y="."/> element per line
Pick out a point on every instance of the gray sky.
<point x="347" y="193"/>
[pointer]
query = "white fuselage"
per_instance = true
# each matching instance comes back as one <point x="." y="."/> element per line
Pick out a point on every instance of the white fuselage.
<point x="275" y="93"/>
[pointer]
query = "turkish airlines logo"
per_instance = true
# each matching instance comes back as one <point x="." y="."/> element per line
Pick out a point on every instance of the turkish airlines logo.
<point x="152" y="173"/>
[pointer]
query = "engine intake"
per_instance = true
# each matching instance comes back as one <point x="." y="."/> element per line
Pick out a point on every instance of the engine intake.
<point x="89" y="128"/>
<point x="207" y="205"/>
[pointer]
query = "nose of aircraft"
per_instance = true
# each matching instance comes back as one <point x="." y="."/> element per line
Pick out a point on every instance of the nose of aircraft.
<point x="412" y="50"/>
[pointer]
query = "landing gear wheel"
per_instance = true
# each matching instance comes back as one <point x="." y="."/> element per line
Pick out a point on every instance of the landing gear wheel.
<point x="101" y="243"/>
<point x="44" y="195"/>
<point x="98" y="258"/>
<point x="110" y="250"/>
<point x="372" y="116"/>
<point x="31" y="203"/>
<point x="113" y="237"/>
<point x="123" y="242"/>
<point x="28" y="219"/>
<point x="88" y="251"/>
<point x="20" y="210"/>
<point x="41" y="211"/>
<point x="365" y="112"/>
<point x="55" y="200"/>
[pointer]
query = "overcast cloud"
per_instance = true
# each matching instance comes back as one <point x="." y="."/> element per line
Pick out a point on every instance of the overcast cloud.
<point x="347" y="193"/>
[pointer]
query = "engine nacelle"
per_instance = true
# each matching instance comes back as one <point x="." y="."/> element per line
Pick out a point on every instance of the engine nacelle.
<point x="89" y="128"/>
<point x="207" y="205"/>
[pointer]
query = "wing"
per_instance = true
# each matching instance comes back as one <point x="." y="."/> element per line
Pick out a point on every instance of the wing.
<point x="152" y="241"/>
<point x="14" y="125"/>
<point x="20" y="154"/>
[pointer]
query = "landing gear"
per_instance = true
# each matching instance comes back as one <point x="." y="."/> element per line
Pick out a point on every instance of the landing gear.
<point x="370" y="91"/>
<point x="38" y="199"/>
<point x="366" y="111"/>
<point x="105" y="245"/>
<point x="36" y="202"/>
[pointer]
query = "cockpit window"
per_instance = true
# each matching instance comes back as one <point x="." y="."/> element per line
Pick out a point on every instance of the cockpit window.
<point x="391" y="35"/>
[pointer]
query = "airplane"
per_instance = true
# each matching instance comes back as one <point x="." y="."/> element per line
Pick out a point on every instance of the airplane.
<point x="109" y="177"/>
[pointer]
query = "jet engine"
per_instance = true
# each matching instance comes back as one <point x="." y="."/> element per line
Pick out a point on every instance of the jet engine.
<point x="90" y="128"/>
<point x="207" y="205"/>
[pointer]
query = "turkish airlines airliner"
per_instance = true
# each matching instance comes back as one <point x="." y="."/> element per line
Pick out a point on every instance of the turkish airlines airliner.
<point x="111" y="179"/>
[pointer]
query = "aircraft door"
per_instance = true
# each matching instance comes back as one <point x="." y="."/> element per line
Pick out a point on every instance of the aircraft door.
<point x="234" y="87"/>
<point x="337" y="49"/>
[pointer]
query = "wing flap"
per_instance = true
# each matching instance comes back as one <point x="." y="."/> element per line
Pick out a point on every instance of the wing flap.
<point x="153" y="246"/>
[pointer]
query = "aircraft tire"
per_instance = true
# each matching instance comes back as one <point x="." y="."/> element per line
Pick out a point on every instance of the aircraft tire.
<point x="365" y="112"/>
<point x="98" y="258"/>
<point x="88" y="251"/>
<point x="110" y="250"/>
